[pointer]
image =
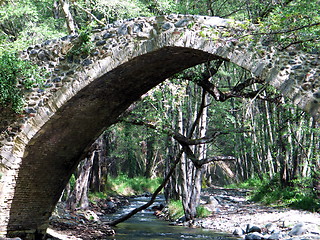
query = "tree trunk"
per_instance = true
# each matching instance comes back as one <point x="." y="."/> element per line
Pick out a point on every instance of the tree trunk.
<point x="192" y="174"/>
<point x="79" y="195"/>
<point x="71" y="25"/>
<point x="150" y="157"/>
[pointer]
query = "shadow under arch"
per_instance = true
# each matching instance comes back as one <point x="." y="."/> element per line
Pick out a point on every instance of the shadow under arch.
<point x="53" y="153"/>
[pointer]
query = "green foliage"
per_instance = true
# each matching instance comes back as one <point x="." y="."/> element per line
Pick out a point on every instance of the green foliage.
<point x="202" y="212"/>
<point x="84" y="45"/>
<point x="14" y="71"/>
<point x="111" y="10"/>
<point x="298" y="23"/>
<point x="95" y="196"/>
<point x="271" y="192"/>
<point x="72" y="182"/>
<point x="27" y="22"/>
<point x="251" y="183"/>
<point x="123" y="185"/>
<point x="128" y="148"/>
<point x="175" y="209"/>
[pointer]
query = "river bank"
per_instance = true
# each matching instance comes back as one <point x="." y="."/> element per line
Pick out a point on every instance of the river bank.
<point x="231" y="213"/>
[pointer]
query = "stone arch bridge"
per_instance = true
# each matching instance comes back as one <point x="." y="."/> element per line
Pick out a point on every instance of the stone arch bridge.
<point x="85" y="94"/>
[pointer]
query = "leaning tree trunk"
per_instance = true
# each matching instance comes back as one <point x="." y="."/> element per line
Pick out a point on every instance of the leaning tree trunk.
<point x="171" y="190"/>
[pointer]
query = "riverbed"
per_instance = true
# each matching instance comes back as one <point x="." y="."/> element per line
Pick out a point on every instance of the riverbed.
<point x="145" y="225"/>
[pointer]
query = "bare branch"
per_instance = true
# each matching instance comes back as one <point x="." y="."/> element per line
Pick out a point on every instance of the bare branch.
<point x="71" y="25"/>
<point x="298" y="42"/>
<point x="199" y="163"/>
<point x="184" y="140"/>
<point x="280" y="32"/>
<point x="236" y="92"/>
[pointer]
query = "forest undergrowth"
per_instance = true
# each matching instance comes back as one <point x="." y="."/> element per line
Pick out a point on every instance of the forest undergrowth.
<point x="300" y="195"/>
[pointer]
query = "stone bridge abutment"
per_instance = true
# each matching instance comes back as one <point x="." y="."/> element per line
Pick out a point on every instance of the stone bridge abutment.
<point x="84" y="94"/>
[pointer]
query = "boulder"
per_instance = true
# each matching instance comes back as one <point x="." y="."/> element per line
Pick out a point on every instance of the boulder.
<point x="271" y="227"/>
<point x="276" y="235"/>
<point x="213" y="201"/>
<point x="238" y="231"/>
<point x="254" y="236"/>
<point x="251" y="228"/>
<point x="298" y="230"/>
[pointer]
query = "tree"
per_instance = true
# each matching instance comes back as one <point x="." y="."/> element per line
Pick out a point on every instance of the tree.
<point x="71" y="25"/>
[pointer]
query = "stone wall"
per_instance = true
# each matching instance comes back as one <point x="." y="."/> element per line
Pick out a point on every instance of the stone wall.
<point x="83" y="94"/>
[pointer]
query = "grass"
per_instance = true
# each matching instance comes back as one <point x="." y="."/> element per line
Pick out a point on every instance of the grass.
<point x="95" y="196"/>
<point x="270" y="192"/>
<point x="125" y="186"/>
<point x="252" y="183"/>
<point x="175" y="209"/>
<point x="202" y="212"/>
<point x="299" y="198"/>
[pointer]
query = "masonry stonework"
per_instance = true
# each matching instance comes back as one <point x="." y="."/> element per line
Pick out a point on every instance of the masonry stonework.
<point x="84" y="94"/>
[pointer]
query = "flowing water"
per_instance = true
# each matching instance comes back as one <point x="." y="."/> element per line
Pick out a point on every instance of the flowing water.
<point x="145" y="225"/>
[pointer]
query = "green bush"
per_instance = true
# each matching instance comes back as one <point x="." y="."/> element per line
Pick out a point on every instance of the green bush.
<point x="286" y="197"/>
<point x="84" y="45"/>
<point x="300" y="195"/>
<point x="14" y="71"/>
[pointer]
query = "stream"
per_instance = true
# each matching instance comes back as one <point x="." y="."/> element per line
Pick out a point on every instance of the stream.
<point x="144" y="225"/>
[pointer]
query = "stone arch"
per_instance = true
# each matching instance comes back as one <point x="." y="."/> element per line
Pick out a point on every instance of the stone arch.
<point x="86" y="94"/>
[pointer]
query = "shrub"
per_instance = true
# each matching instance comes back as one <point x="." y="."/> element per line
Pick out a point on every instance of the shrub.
<point x="14" y="71"/>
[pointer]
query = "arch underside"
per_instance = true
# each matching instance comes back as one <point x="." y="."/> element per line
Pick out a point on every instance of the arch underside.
<point x="54" y="152"/>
